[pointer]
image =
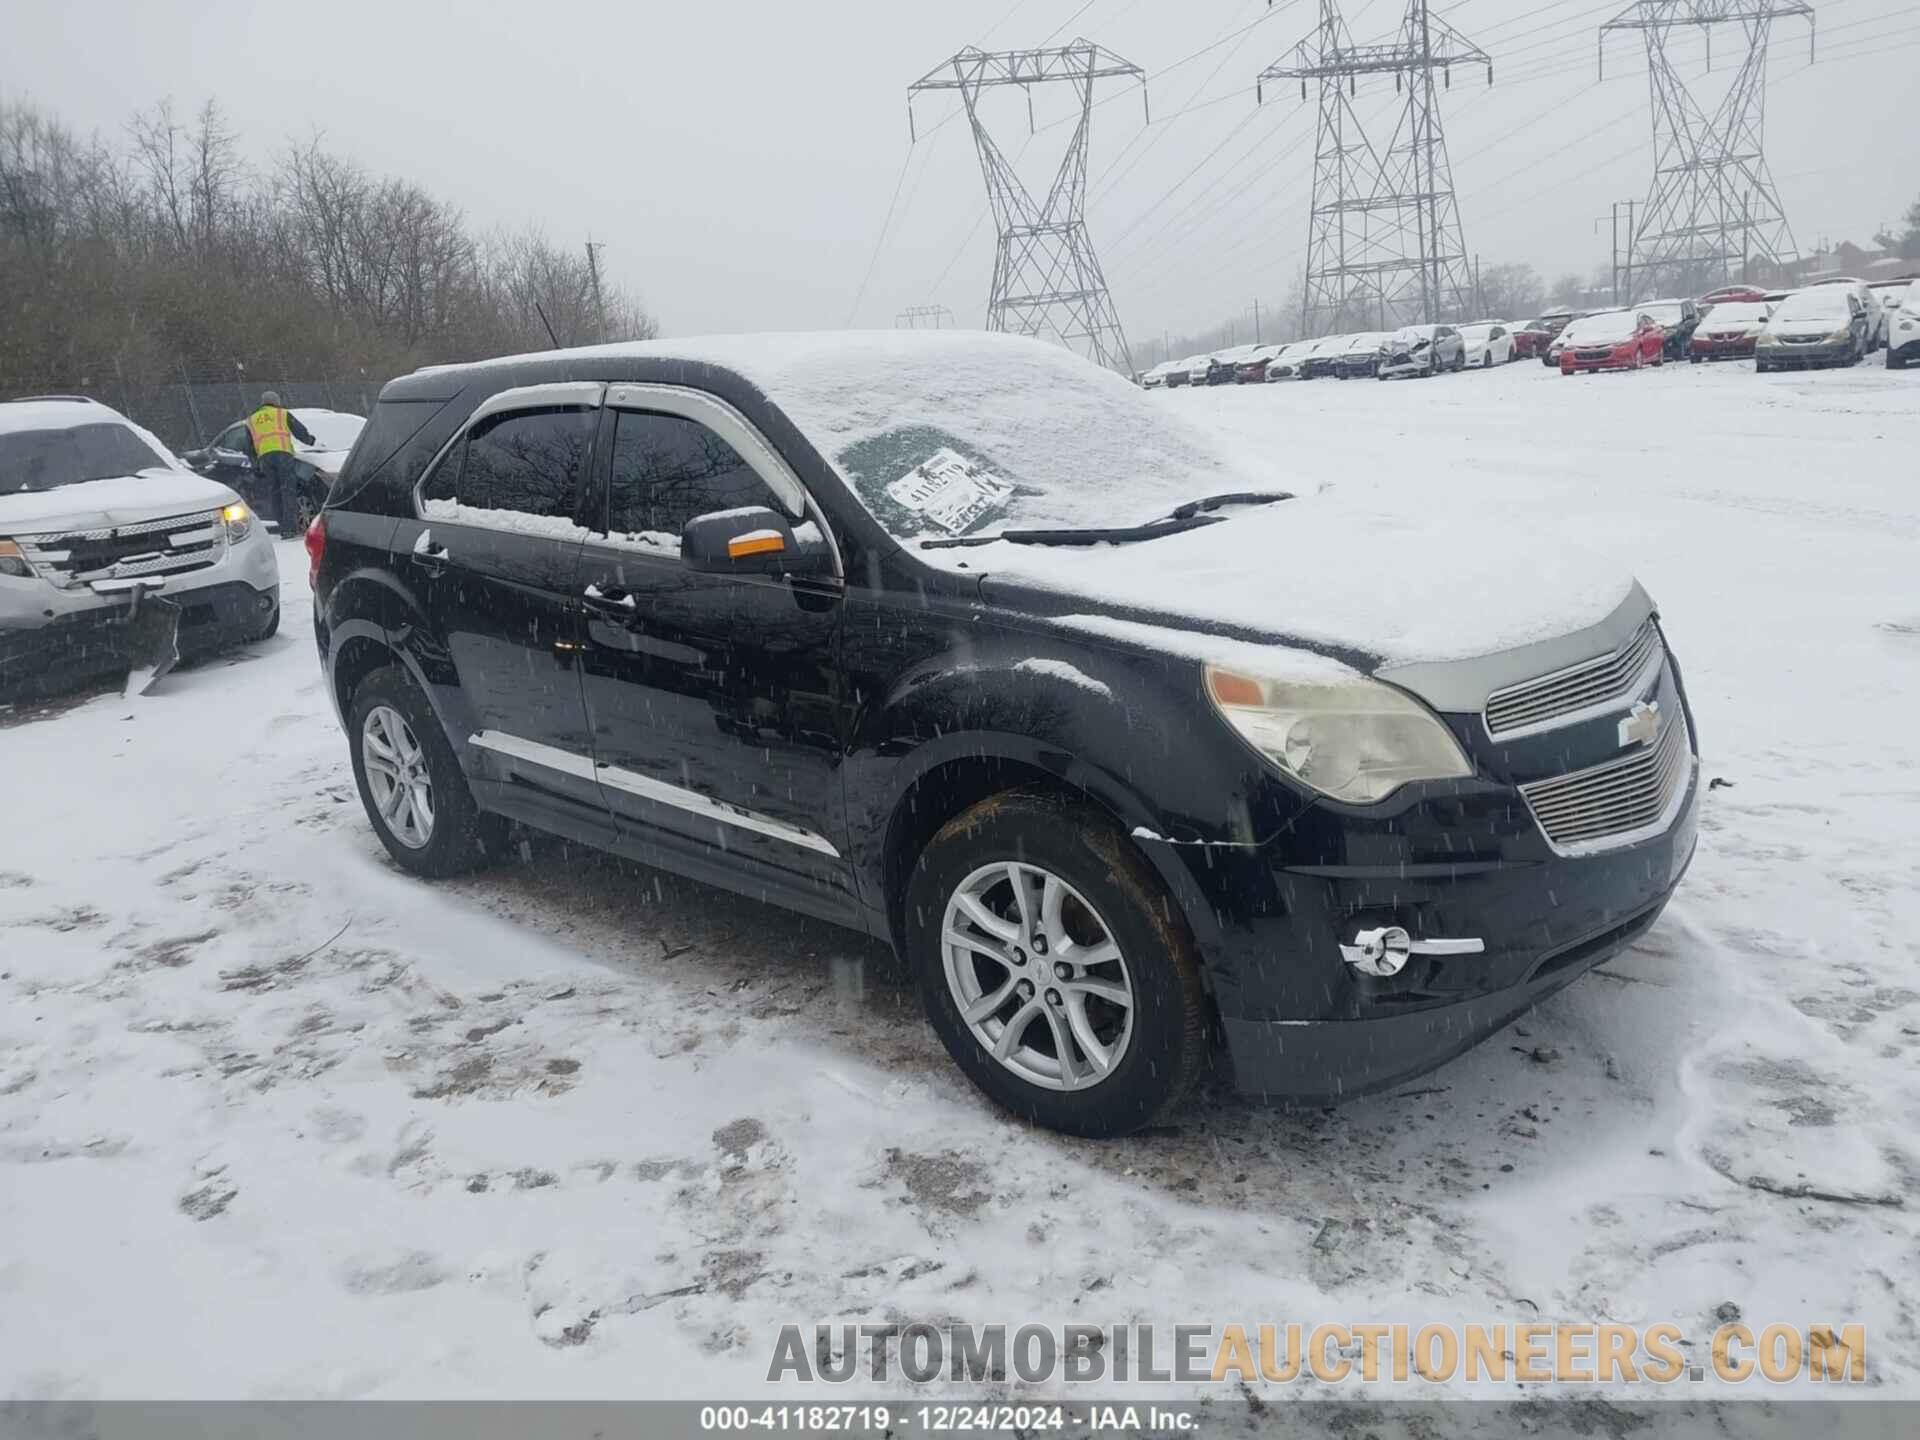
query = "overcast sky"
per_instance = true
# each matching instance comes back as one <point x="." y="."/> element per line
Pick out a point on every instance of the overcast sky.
<point x="738" y="158"/>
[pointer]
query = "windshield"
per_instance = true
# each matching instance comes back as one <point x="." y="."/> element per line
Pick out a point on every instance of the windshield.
<point x="1667" y="314"/>
<point x="1728" y="314"/>
<point x="1825" y="303"/>
<point x="35" y="460"/>
<point x="331" y="429"/>
<point x="977" y="434"/>
<point x="1601" y="329"/>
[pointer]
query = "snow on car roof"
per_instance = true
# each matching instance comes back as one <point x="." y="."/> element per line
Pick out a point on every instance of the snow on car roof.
<point x="62" y="412"/>
<point x="1041" y="436"/>
<point x="53" y="413"/>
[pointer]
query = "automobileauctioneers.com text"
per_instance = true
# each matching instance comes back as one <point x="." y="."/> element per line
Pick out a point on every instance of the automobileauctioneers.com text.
<point x="1526" y="1353"/>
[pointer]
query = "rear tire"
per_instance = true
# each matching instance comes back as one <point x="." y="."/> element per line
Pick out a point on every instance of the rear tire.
<point x="1137" y="1060"/>
<point x="415" y="795"/>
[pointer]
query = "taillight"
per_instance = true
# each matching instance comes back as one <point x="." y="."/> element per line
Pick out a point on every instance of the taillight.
<point x="316" y="547"/>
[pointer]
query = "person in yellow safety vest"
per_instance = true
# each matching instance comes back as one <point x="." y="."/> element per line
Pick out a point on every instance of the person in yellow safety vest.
<point x="271" y="431"/>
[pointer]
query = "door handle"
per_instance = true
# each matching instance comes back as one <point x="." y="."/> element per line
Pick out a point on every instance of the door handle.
<point x="617" y="603"/>
<point x="427" y="553"/>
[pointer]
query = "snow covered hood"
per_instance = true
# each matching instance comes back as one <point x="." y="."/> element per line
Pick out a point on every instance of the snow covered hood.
<point x="1608" y="329"/>
<point x="103" y="504"/>
<point x="1321" y="570"/>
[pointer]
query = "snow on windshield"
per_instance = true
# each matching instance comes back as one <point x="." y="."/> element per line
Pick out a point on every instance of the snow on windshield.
<point x="38" y="460"/>
<point x="969" y="434"/>
<point x="332" y="429"/>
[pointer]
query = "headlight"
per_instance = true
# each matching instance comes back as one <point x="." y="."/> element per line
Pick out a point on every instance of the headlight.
<point x="239" y="522"/>
<point x="1841" y="336"/>
<point x="12" y="562"/>
<point x="1767" y="337"/>
<point x="1356" y="740"/>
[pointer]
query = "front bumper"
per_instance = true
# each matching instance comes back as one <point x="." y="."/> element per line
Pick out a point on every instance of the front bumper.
<point x="83" y="644"/>
<point x="1571" y="364"/>
<point x="1405" y="365"/>
<point x="1454" y="860"/>
<point x="1328" y="1061"/>
<point x="1323" y="1060"/>
<point x="1722" y="349"/>
<point x="1801" y="357"/>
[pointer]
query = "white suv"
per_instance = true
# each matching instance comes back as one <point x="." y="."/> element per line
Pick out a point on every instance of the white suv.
<point x="114" y="555"/>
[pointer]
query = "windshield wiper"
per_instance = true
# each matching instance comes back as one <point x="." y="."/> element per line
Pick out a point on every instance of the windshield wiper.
<point x="1120" y="535"/>
<point x="1232" y="497"/>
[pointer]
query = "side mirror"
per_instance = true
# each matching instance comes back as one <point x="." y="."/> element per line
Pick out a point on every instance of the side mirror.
<point x="753" y="540"/>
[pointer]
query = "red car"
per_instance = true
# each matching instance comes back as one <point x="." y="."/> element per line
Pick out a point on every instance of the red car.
<point x="1729" y="330"/>
<point x="1733" y="294"/>
<point x="1612" y="340"/>
<point x="1532" y="339"/>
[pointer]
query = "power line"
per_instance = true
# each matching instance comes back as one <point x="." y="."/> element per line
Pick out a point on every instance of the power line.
<point x="880" y="240"/>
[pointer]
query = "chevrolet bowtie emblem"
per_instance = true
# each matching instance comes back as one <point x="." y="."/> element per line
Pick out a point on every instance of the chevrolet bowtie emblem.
<point x="1642" y="725"/>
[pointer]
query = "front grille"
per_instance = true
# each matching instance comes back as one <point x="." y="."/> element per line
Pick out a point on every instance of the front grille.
<point x="173" y="546"/>
<point x="1606" y="354"/>
<point x="1534" y="703"/>
<point x="1615" y="802"/>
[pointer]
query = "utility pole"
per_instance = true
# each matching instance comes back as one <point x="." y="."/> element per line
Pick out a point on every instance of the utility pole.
<point x="1384" y="236"/>
<point x="1614" y="255"/>
<point x="1046" y="279"/>
<point x="593" y="274"/>
<point x="1703" y="160"/>
<point x="1256" y="320"/>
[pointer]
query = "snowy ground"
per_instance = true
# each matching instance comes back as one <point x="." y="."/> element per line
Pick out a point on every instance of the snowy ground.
<point x="276" y="1120"/>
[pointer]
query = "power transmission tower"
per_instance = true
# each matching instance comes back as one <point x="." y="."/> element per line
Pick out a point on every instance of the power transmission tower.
<point x="931" y="317"/>
<point x="1384" y="243"/>
<point x="1711" y="206"/>
<point x="1046" y="279"/>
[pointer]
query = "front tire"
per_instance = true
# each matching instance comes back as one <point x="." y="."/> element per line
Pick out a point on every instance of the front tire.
<point x="1054" y="967"/>
<point x="410" y="781"/>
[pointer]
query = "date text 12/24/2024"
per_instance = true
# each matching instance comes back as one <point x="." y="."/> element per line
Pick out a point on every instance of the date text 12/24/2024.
<point x="945" y="1419"/>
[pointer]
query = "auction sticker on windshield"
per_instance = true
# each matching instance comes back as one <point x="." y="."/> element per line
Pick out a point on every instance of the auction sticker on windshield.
<point x="950" y="491"/>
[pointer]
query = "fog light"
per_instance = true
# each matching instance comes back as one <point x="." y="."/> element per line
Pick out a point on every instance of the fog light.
<point x="1385" y="950"/>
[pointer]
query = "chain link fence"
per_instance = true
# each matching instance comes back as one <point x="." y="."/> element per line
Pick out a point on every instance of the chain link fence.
<point x="188" y="413"/>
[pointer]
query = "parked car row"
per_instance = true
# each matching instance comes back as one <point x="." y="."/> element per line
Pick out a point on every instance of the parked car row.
<point x="1838" y="320"/>
<point x="1410" y="350"/>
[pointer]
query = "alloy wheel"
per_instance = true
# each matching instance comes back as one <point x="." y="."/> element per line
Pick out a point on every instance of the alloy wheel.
<point x="1037" y="976"/>
<point x="397" y="777"/>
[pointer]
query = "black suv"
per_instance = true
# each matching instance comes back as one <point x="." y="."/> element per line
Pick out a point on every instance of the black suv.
<point x="962" y="642"/>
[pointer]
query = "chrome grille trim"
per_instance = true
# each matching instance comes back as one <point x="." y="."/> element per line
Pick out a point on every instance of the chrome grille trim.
<point x="1619" y="803"/>
<point x="173" y="545"/>
<point x="1576" y="692"/>
<point x="143" y="527"/>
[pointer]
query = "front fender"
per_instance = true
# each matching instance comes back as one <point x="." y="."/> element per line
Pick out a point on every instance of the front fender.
<point x="1129" y="730"/>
